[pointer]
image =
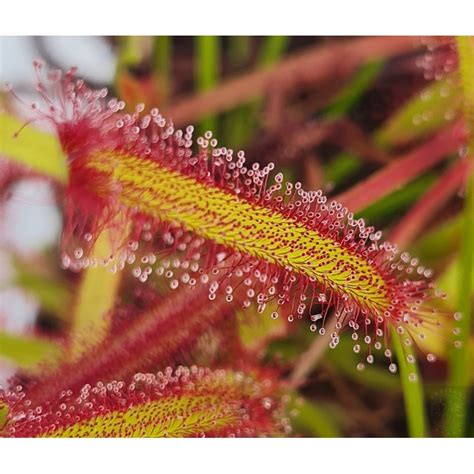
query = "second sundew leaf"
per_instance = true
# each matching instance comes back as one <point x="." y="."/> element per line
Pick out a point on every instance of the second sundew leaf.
<point x="192" y="416"/>
<point x="437" y="105"/>
<point x="165" y="333"/>
<point x="36" y="150"/>
<point x="184" y="402"/>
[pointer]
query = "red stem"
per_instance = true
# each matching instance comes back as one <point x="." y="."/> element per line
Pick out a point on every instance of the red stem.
<point x="306" y="69"/>
<point x="419" y="215"/>
<point x="402" y="169"/>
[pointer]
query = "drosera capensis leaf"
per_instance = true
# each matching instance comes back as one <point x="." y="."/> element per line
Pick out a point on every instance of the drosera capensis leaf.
<point x="157" y="337"/>
<point x="194" y="415"/>
<point x="185" y="402"/>
<point x="207" y="207"/>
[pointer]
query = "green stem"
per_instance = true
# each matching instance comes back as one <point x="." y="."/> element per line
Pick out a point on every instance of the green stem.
<point x="352" y="93"/>
<point x="412" y="388"/>
<point x="162" y="62"/>
<point x="3" y="416"/>
<point x="272" y="49"/>
<point x="129" y="53"/>
<point x="240" y="50"/>
<point x="457" y="395"/>
<point x="207" y="72"/>
<point x="235" y="121"/>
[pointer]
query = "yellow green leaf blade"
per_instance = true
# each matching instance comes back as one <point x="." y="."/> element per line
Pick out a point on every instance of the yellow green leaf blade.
<point x="95" y="301"/>
<point x="429" y="110"/>
<point x="257" y="329"/>
<point x="465" y="46"/>
<point x="457" y="400"/>
<point x="311" y="419"/>
<point x="53" y="294"/>
<point x="181" y="403"/>
<point x="27" y="351"/>
<point x="171" y="417"/>
<point x="37" y="150"/>
<point x="412" y="387"/>
<point x="3" y="415"/>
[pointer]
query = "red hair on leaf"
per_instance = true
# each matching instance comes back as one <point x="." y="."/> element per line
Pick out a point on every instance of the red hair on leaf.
<point x="201" y="213"/>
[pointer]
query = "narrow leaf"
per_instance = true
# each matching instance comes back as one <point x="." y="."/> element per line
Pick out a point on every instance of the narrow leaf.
<point x="95" y="301"/>
<point x="28" y="351"/>
<point x="433" y="108"/>
<point x="311" y="418"/>
<point x="412" y="387"/>
<point x="457" y="400"/>
<point x="182" y="403"/>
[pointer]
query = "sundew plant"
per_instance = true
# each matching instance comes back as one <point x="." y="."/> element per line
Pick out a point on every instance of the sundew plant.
<point x="264" y="236"/>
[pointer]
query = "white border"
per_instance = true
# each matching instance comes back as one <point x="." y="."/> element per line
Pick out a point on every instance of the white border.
<point x="229" y="456"/>
<point x="264" y="17"/>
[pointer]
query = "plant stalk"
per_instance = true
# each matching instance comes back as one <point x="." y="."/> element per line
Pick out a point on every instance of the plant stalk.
<point x="459" y="367"/>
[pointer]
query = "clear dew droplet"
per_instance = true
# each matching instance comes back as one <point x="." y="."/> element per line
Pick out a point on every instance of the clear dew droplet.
<point x="412" y="377"/>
